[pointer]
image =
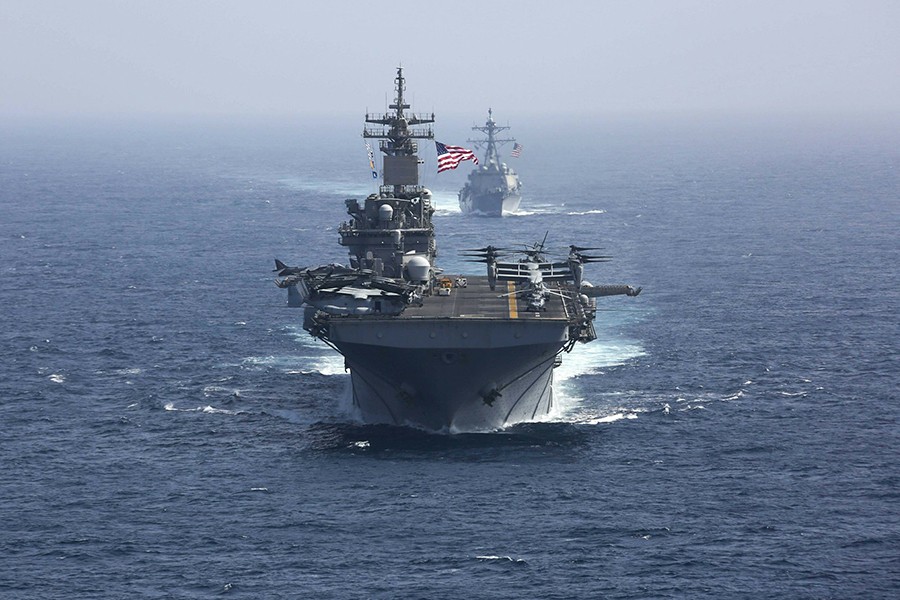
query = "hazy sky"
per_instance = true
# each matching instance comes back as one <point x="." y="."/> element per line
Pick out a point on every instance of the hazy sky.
<point x="280" y="57"/>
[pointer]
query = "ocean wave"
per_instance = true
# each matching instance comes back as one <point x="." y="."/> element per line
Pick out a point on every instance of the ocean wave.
<point x="599" y="419"/>
<point x="218" y="390"/>
<point x="294" y="416"/>
<point x="327" y="365"/>
<point x="292" y="364"/>
<point x="581" y="213"/>
<point x="505" y="559"/>
<point x="129" y="371"/>
<point x="570" y="404"/>
<point x="208" y="409"/>
<point x="594" y="357"/>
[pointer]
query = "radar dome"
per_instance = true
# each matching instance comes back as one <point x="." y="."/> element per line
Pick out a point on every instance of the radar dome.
<point x="385" y="213"/>
<point x="418" y="267"/>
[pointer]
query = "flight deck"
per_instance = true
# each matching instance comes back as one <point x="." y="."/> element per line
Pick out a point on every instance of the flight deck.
<point x="477" y="301"/>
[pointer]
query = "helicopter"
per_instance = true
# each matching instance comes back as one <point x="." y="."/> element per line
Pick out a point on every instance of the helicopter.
<point x="532" y="272"/>
<point x="338" y="289"/>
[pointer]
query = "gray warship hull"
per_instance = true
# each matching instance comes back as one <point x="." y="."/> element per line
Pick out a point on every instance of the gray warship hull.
<point x="493" y="188"/>
<point x="489" y="204"/>
<point x="471" y="361"/>
<point x="442" y="390"/>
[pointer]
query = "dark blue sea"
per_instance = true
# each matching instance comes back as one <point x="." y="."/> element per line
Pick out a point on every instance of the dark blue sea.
<point x="170" y="431"/>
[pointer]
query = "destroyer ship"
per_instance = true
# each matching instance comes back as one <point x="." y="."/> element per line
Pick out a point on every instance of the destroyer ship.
<point x="492" y="188"/>
<point x="424" y="349"/>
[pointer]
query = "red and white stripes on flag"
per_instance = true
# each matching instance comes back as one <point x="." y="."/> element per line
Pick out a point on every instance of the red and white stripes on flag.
<point x="517" y="150"/>
<point x="449" y="157"/>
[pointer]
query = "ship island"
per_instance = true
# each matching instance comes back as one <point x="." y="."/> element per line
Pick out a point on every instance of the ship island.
<point x="492" y="188"/>
<point x="445" y="354"/>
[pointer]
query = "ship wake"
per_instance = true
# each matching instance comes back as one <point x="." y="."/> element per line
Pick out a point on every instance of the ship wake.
<point x="573" y="402"/>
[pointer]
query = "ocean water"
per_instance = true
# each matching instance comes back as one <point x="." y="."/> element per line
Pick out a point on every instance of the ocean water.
<point x="170" y="431"/>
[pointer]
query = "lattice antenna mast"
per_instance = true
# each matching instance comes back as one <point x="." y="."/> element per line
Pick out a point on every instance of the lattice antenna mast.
<point x="490" y="129"/>
<point x="398" y="135"/>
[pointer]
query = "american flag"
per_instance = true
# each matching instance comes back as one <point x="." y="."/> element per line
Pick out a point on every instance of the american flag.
<point x="517" y="150"/>
<point x="449" y="157"/>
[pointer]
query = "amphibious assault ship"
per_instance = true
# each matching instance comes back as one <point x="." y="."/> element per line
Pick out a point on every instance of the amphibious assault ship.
<point x="493" y="188"/>
<point x="461" y="353"/>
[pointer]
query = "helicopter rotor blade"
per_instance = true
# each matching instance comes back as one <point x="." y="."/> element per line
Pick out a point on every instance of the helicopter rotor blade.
<point x="485" y="249"/>
<point x="481" y="256"/>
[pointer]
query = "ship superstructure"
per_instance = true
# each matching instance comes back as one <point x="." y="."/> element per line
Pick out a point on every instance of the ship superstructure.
<point x="461" y="353"/>
<point x="492" y="188"/>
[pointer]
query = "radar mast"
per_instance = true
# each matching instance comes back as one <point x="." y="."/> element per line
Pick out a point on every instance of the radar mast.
<point x="398" y="135"/>
<point x="490" y="143"/>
